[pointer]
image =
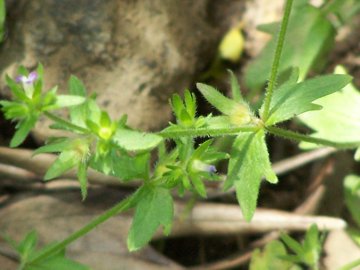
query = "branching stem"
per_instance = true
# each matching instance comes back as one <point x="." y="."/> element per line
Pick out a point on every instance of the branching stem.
<point x="276" y="61"/>
<point x="204" y="132"/>
<point x="305" y="138"/>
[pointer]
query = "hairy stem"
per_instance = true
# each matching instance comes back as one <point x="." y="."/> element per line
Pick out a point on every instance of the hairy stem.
<point x="118" y="208"/>
<point x="204" y="132"/>
<point x="305" y="138"/>
<point x="276" y="61"/>
<point x="64" y="122"/>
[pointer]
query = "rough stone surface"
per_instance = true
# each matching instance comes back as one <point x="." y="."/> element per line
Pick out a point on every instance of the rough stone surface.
<point x="134" y="54"/>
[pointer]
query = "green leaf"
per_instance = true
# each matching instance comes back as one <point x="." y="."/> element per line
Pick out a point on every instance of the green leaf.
<point x="177" y="105"/>
<point x="201" y="149"/>
<point x="239" y="112"/>
<point x="16" y="89"/>
<point x="352" y="196"/>
<point x="339" y="119"/>
<point x="123" y="166"/>
<point x="27" y="245"/>
<point x="154" y="208"/>
<point x="270" y="258"/>
<point x="312" y="246"/>
<point x="190" y="103"/>
<point x="76" y="86"/>
<point x="105" y="120"/>
<point x="67" y="160"/>
<point x="249" y="163"/>
<point x="68" y="101"/>
<point x="92" y="126"/>
<point x="14" y="110"/>
<point x="309" y="252"/>
<point x="218" y="100"/>
<point x="58" y="262"/>
<point x="129" y="168"/>
<point x="309" y="38"/>
<point x="235" y="88"/>
<point x="198" y="185"/>
<point x="292" y="244"/>
<point x="293" y="99"/>
<point x="23" y="128"/>
<point x="88" y="110"/>
<point x="54" y="146"/>
<point x="132" y="140"/>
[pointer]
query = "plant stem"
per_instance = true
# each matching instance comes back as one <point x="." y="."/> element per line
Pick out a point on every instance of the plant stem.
<point x="276" y="61"/>
<point x="118" y="208"/>
<point x="305" y="138"/>
<point x="60" y="120"/>
<point x="205" y="132"/>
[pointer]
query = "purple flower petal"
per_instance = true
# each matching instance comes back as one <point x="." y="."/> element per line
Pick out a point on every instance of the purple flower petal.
<point x="20" y="78"/>
<point x="32" y="77"/>
<point x="211" y="169"/>
<point x="27" y="80"/>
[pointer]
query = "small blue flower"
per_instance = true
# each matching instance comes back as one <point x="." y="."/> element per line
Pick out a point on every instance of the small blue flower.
<point x="27" y="79"/>
<point x="200" y="166"/>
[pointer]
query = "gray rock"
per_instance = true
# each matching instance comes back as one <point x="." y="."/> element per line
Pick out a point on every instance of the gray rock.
<point x="134" y="54"/>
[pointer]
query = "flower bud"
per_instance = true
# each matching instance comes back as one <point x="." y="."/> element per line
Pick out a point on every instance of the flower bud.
<point x="199" y="166"/>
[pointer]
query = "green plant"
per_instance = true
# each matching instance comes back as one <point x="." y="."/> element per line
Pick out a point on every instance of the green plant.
<point x="112" y="147"/>
<point x="2" y="19"/>
<point x="275" y="256"/>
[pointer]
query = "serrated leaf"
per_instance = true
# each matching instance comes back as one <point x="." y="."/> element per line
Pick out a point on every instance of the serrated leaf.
<point x="132" y="140"/>
<point x="154" y="208"/>
<point x="269" y="258"/>
<point x="177" y="105"/>
<point x="190" y="103"/>
<point x="352" y="196"/>
<point x="23" y="128"/>
<point x="339" y="119"/>
<point x="293" y="99"/>
<point x="67" y="160"/>
<point x="218" y="100"/>
<point x="310" y="36"/>
<point x="249" y="163"/>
